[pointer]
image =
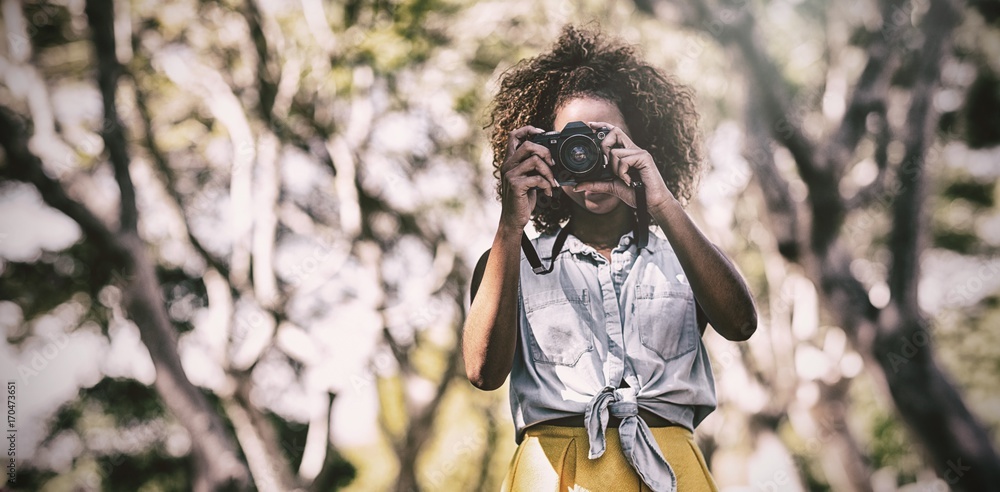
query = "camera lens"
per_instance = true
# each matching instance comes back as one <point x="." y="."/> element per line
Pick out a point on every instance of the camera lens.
<point x="579" y="154"/>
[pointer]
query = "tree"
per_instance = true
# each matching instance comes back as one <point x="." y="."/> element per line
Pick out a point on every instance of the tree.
<point x="238" y="307"/>
<point x="284" y="200"/>
<point x="894" y="339"/>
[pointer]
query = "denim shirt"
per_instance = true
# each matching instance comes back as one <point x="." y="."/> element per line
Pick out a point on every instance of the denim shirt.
<point x="591" y="323"/>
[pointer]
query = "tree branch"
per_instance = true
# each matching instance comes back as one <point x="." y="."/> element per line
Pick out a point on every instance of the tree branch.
<point x="101" y="17"/>
<point x="422" y="423"/>
<point x="868" y="193"/>
<point x="213" y="451"/>
<point x="868" y="96"/>
<point x="782" y="209"/>
<point x="907" y="233"/>
<point x="268" y="85"/>
<point x="169" y="179"/>
<point x="22" y="165"/>
<point x="741" y="37"/>
<point x="845" y="464"/>
<point x="489" y="449"/>
<point x="773" y="88"/>
<point x="259" y="441"/>
<point x="775" y="106"/>
<point x="267" y="80"/>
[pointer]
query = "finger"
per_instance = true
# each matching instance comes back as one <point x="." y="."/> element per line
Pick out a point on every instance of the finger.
<point x="615" y="161"/>
<point x="525" y="151"/>
<point x="534" y="164"/>
<point x="597" y="125"/>
<point x="544" y="169"/>
<point x="529" y="148"/>
<point x="518" y="136"/>
<point x="611" y="141"/>
<point x="616" y="136"/>
<point x="523" y="184"/>
<point x="622" y="160"/>
<point x="643" y="164"/>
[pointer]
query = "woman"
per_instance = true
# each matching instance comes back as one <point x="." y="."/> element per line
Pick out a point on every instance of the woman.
<point x="608" y="373"/>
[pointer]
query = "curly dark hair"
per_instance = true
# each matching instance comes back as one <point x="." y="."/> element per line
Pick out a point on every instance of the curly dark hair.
<point x="659" y="111"/>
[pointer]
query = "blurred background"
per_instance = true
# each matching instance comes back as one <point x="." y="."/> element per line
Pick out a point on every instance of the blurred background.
<point x="236" y="238"/>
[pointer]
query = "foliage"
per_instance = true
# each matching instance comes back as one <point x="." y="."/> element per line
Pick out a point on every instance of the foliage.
<point x="313" y="183"/>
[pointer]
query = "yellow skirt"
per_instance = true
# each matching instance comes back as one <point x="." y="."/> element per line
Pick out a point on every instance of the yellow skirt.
<point x="553" y="458"/>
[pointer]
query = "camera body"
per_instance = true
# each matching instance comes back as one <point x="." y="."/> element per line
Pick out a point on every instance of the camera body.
<point x="576" y="151"/>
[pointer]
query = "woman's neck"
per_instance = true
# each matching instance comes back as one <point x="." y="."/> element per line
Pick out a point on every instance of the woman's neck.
<point x="601" y="231"/>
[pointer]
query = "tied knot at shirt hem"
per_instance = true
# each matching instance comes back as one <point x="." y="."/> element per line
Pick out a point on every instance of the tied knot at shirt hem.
<point x="640" y="448"/>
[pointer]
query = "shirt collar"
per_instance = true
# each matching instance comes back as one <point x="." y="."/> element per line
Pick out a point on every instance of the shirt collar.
<point x="577" y="247"/>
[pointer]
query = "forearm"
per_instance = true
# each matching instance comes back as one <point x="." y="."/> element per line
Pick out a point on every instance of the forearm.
<point x="490" y="332"/>
<point x="718" y="287"/>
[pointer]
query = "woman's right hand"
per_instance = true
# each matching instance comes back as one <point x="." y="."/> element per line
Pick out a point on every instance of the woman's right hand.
<point x="524" y="173"/>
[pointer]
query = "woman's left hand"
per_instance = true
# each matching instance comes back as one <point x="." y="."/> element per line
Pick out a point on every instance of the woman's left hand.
<point x="624" y="155"/>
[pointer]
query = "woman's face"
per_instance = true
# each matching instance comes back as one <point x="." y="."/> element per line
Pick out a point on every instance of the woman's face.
<point x="587" y="109"/>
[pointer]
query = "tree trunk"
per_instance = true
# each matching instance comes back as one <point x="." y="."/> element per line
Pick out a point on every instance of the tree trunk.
<point x="959" y="445"/>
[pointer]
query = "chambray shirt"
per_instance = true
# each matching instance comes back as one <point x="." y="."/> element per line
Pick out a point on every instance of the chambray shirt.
<point x="591" y="323"/>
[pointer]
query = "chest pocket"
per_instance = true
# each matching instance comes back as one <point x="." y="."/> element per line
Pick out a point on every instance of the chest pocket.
<point x="559" y="326"/>
<point x="665" y="313"/>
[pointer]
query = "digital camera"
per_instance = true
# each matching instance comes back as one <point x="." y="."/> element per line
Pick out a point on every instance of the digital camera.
<point x="576" y="151"/>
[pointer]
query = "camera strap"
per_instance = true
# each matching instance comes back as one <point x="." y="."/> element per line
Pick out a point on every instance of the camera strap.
<point x="532" y="255"/>
<point x="640" y="233"/>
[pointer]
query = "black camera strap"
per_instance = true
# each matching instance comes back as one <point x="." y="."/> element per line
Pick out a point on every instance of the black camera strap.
<point x="532" y="256"/>
<point x="640" y="233"/>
